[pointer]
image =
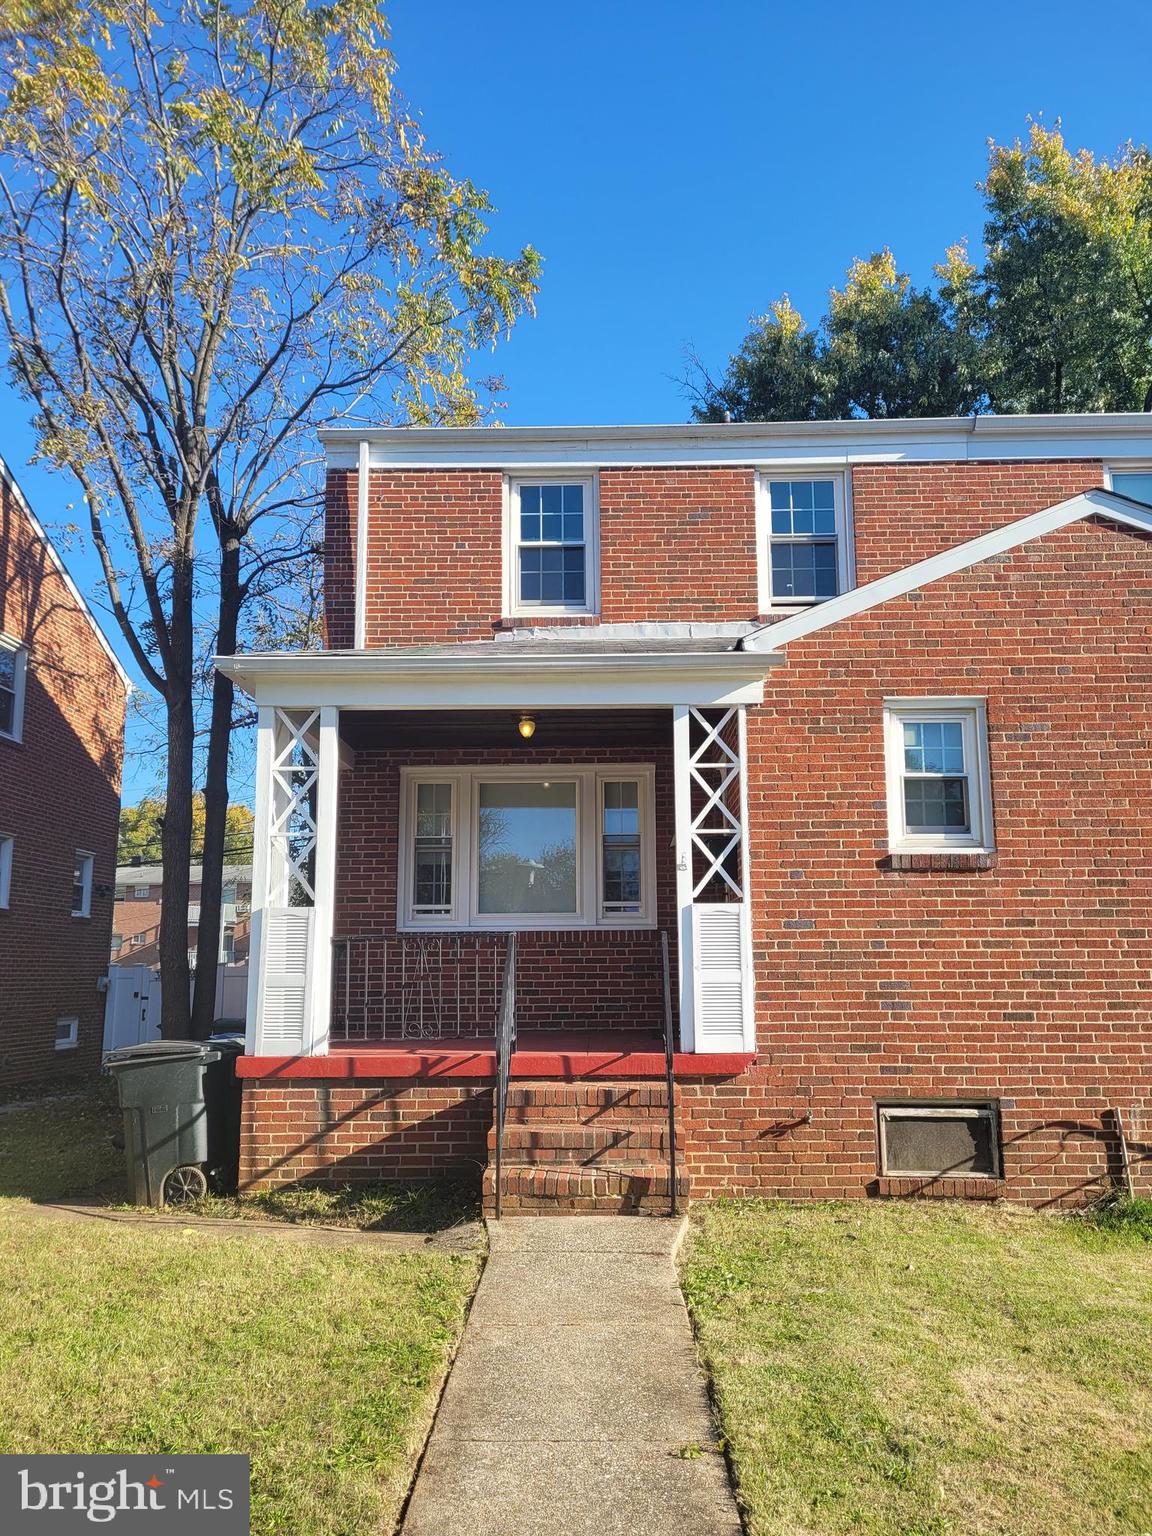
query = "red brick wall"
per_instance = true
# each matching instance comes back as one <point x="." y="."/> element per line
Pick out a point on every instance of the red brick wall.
<point x="1030" y="982"/>
<point x="59" y="792"/>
<point x="584" y="979"/>
<point x="675" y="543"/>
<point x="353" y="1132"/>
<point x="906" y="512"/>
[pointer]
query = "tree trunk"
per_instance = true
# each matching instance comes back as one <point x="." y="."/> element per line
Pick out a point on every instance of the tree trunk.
<point x="216" y="797"/>
<point x="176" y="846"/>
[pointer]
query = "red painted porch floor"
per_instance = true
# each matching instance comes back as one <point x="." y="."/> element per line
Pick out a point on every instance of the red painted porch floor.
<point x="565" y="1055"/>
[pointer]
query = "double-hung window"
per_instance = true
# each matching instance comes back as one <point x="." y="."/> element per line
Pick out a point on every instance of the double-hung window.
<point x="82" y="885"/>
<point x="546" y="848"/>
<point x="13" y="667"/>
<point x="939" y="790"/>
<point x="803" y="538"/>
<point x="551" y="549"/>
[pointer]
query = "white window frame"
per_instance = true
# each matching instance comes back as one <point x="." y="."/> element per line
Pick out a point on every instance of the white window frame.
<point x="464" y="914"/>
<point x="512" y="605"/>
<point x="7" y="851"/>
<point x="972" y="714"/>
<point x="141" y="892"/>
<point x="915" y="1110"/>
<point x="138" y="940"/>
<point x="89" y="865"/>
<point x="845" y="554"/>
<point x="72" y="1039"/>
<point x="9" y="643"/>
<point x="1134" y="467"/>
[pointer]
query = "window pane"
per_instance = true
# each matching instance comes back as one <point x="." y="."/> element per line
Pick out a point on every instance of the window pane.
<point x="552" y="527"/>
<point x="936" y="805"/>
<point x="529" y="499"/>
<point x="621" y="845"/>
<point x="7" y="710"/>
<point x="432" y="861"/>
<point x="530" y="526"/>
<point x="938" y="1143"/>
<point x="527" y="847"/>
<point x="803" y="506"/>
<point x="552" y="498"/>
<point x="934" y="746"/>
<point x="574" y="498"/>
<point x="553" y="575"/>
<point x="804" y="571"/>
<point x="1138" y="486"/>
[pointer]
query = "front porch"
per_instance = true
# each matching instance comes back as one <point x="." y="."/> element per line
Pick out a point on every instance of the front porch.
<point x="456" y="907"/>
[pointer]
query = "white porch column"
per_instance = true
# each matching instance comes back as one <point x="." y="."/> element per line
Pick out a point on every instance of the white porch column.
<point x="717" y="1011"/>
<point x="293" y="881"/>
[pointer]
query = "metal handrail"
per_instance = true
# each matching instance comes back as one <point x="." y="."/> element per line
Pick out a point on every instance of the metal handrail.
<point x="669" y="1077"/>
<point x="505" y="1045"/>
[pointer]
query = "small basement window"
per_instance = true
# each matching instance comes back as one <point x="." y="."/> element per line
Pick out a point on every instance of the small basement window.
<point x="67" y="1034"/>
<point x="939" y="1140"/>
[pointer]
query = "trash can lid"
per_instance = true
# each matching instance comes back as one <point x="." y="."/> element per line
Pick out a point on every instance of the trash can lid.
<point x="163" y="1050"/>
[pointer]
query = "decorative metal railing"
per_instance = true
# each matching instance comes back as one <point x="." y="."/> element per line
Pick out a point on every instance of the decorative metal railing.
<point x="505" y="1046"/>
<point x="669" y="1075"/>
<point x="416" y="986"/>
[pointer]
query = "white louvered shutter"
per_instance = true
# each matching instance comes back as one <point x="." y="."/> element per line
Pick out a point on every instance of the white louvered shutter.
<point x="286" y="953"/>
<point x="719" y="977"/>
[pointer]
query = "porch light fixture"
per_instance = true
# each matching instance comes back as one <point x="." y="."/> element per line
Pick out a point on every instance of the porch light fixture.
<point x="527" y="727"/>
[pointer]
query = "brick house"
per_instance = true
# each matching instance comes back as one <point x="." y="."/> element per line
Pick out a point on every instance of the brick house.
<point x="136" y="916"/>
<point x="849" y="720"/>
<point x="63" y="697"/>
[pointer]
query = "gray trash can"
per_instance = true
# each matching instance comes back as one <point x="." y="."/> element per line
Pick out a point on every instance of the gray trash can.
<point x="165" y="1096"/>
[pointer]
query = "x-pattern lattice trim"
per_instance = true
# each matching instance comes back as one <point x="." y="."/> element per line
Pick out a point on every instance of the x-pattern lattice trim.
<point x="726" y="763"/>
<point x="292" y="783"/>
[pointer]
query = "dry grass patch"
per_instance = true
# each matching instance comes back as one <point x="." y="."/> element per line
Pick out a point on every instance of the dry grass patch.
<point x="914" y="1370"/>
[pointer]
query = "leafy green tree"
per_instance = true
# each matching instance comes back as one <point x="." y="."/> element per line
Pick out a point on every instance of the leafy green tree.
<point x="142" y="828"/>
<point x="220" y="226"/>
<point x="1056" y="315"/>
<point x="1062" y="306"/>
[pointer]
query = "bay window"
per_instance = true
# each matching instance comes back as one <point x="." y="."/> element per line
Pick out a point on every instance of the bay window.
<point x="546" y="847"/>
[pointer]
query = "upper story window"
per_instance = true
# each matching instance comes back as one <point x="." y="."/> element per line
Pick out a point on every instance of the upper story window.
<point x="551" y="553"/>
<point x="7" y="847"/>
<point x="550" y="847"/>
<point x="142" y="892"/>
<point x="1136" y="483"/>
<point x="939" y="789"/>
<point x="82" y="885"/>
<point x="13" y="666"/>
<point x="804" y="553"/>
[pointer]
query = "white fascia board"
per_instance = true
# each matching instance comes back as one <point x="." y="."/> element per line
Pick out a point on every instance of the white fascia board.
<point x="22" y="502"/>
<point x="1126" y="434"/>
<point x="365" y="680"/>
<point x="1088" y="504"/>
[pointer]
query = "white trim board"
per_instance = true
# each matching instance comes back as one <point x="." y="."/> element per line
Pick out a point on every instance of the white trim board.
<point x="37" y="528"/>
<point x="1088" y="504"/>
<point x="1119" y="435"/>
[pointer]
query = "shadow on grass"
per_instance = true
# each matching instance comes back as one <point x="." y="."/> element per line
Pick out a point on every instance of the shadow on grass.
<point x="60" y="1147"/>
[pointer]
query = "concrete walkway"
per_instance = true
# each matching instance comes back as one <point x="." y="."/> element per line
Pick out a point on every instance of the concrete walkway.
<point x="575" y="1406"/>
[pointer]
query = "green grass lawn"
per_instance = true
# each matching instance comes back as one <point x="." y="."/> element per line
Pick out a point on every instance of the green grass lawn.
<point x="323" y="1363"/>
<point x="905" y="1369"/>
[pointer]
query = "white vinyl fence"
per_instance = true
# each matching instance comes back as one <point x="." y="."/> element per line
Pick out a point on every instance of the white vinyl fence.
<point x="132" y="1004"/>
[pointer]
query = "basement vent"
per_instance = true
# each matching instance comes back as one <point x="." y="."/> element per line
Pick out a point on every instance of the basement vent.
<point x="935" y="1140"/>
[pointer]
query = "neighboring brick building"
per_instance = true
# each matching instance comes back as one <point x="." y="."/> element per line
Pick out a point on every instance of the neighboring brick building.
<point x="63" y="696"/>
<point x="850" y="719"/>
<point x="136" y="917"/>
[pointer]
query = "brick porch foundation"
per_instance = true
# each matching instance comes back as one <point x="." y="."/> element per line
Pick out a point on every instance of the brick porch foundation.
<point x="748" y="1134"/>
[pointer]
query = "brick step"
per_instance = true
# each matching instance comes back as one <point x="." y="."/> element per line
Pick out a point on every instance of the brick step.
<point x="540" y="1191"/>
<point x="569" y="1103"/>
<point x="581" y="1144"/>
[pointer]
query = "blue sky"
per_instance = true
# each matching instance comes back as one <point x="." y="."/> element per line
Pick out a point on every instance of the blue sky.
<point x="679" y="166"/>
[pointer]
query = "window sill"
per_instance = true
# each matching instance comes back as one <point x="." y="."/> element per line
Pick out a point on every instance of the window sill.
<point x="67" y="1045"/>
<point x="925" y="859"/>
<point x="977" y="1186"/>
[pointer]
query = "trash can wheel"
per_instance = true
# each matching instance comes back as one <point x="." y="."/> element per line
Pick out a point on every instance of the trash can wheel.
<point x="183" y="1185"/>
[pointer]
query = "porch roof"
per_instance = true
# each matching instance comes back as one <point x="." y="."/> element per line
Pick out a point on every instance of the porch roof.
<point x="577" y="669"/>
